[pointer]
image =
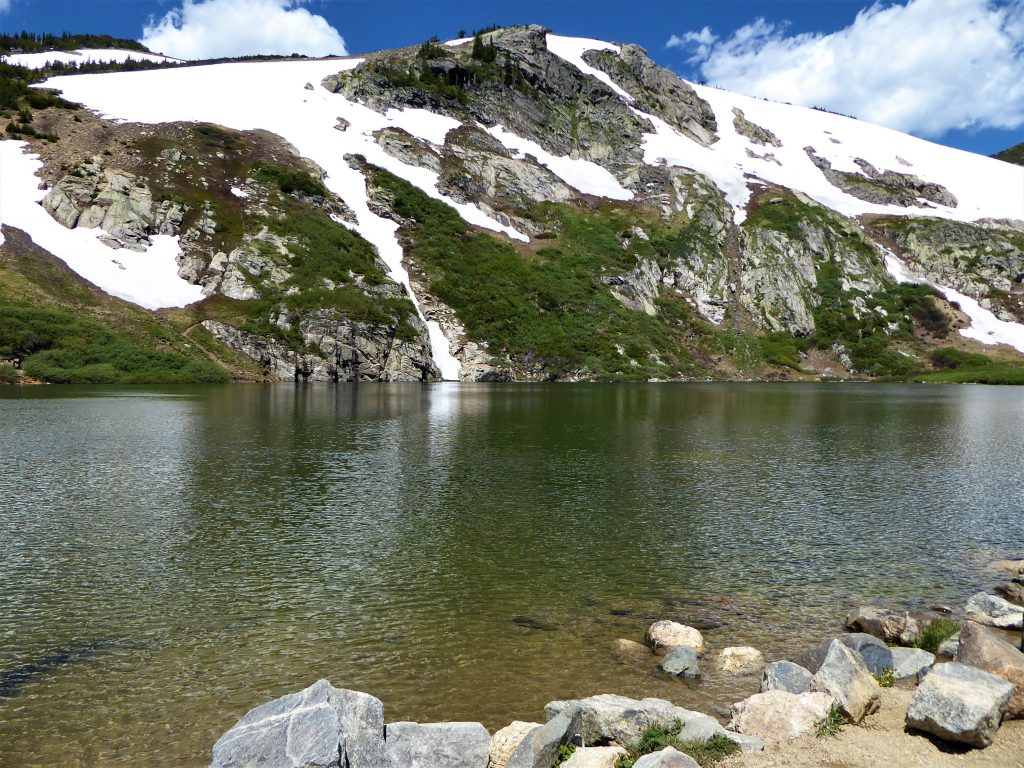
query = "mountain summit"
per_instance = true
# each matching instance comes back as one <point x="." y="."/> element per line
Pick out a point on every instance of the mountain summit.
<point x="515" y="205"/>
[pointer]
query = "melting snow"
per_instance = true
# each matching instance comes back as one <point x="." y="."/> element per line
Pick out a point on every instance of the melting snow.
<point x="149" y="279"/>
<point x="572" y="49"/>
<point x="81" y="56"/>
<point x="584" y="175"/>
<point x="272" y="96"/>
<point x="985" y="326"/>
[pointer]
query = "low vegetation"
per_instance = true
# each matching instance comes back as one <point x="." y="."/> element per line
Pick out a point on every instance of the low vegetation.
<point x="958" y="367"/>
<point x="548" y="309"/>
<point x="833" y="723"/>
<point x="655" y="738"/>
<point x="63" y="330"/>
<point x="936" y="633"/>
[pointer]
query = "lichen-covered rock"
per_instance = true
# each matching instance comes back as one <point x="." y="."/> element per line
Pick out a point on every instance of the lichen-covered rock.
<point x="437" y="745"/>
<point x="776" y="716"/>
<point x="506" y="741"/>
<point x="752" y="130"/>
<point x="982" y="649"/>
<point x="320" y="727"/>
<point x="119" y="203"/>
<point x="960" y="704"/>
<point x="785" y="676"/>
<point x="740" y="660"/>
<point x="657" y="91"/>
<point x="994" y="611"/>
<point x="665" y="635"/>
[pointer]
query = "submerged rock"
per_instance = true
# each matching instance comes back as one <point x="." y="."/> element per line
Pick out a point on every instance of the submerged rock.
<point x="681" y="662"/>
<point x="960" y="704"/>
<point x="740" y="660"/>
<point x="630" y="651"/>
<point x="320" y="727"/>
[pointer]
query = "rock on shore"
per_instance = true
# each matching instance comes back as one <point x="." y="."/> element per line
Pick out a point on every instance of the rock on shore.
<point x="959" y="703"/>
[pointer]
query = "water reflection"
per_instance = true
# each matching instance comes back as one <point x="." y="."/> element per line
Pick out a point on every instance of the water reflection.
<point x="228" y="544"/>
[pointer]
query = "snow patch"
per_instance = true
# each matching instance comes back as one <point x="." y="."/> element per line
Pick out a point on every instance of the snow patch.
<point x="584" y="175"/>
<point x="82" y="56"/>
<point x="984" y="188"/>
<point x="572" y="49"/>
<point x="149" y="279"/>
<point x="985" y="326"/>
<point x="239" y="193"/>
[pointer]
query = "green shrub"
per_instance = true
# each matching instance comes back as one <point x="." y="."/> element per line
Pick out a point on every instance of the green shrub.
<point x="288" y="181"/>
<point x="9" y="374"/>
<point x="936" y="633"/>
<point x="565" y="751"/>
<point x="948" y="357"/>
<point x="833" y="723"/>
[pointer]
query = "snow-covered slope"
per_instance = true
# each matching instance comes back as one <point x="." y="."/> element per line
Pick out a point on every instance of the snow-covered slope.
<point x="285" y="97"/>
<point x="82" y="56"/>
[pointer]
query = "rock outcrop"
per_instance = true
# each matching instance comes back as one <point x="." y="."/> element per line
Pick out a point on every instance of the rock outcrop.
<point x="119" y="203"/>
<point x="883" y="187"/>
<point x="337" y="349"/>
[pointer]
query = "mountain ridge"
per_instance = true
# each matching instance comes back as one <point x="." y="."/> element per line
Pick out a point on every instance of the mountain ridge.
<point x="721" y="229"/>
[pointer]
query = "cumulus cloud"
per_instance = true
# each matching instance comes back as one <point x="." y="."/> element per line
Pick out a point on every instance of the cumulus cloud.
<point x="925" y="67"/>
<point x="206" y="29"/>
<point x="5" y="5"/>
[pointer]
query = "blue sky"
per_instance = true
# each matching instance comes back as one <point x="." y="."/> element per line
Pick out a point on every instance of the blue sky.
<point x="949" y="70"/>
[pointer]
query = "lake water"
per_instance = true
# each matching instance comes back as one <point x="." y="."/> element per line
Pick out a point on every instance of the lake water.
<point x="171" y="557"/>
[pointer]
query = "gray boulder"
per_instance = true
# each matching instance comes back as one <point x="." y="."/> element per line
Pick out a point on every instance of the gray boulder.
<point x="844" y="676"/>
<point x="506" y="741"/>
<point x="669" y="757"/>
<point x="437" y="745"/>
<point x="681" y="662"/>
<point x="878" y="658"/>
<point x="982" y="649"/>
<point x="595" y="757"/>
<point x="785" y="676"/>
<point x="960" y="704"/>
<point x="948" y="648"/>
<point x="320" y="727"/>
<point x="911" y="663"/>
<point x="994" y="611"/>
<point x="812" y="658"/>
<point x="539" y="749"/>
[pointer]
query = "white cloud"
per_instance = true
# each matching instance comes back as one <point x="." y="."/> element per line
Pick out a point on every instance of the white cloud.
<point x="925" y="67"/>
<point x="5" y="5"/>
<point x="205" y="29"/>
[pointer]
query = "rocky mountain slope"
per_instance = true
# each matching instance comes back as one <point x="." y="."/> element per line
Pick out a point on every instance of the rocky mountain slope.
<point x="513" y="206"/>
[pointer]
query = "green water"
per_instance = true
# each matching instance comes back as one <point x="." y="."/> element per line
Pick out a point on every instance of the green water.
<point x="170" y="558"/>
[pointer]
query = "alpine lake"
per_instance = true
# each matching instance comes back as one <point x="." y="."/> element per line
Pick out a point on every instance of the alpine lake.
<point x="171" y="557"/>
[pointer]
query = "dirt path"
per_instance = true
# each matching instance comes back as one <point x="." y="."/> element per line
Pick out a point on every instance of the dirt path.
<point x="881" y="742"/>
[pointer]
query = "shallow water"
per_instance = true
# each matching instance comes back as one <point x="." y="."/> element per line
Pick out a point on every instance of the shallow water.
<point x="171" y="557"/>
